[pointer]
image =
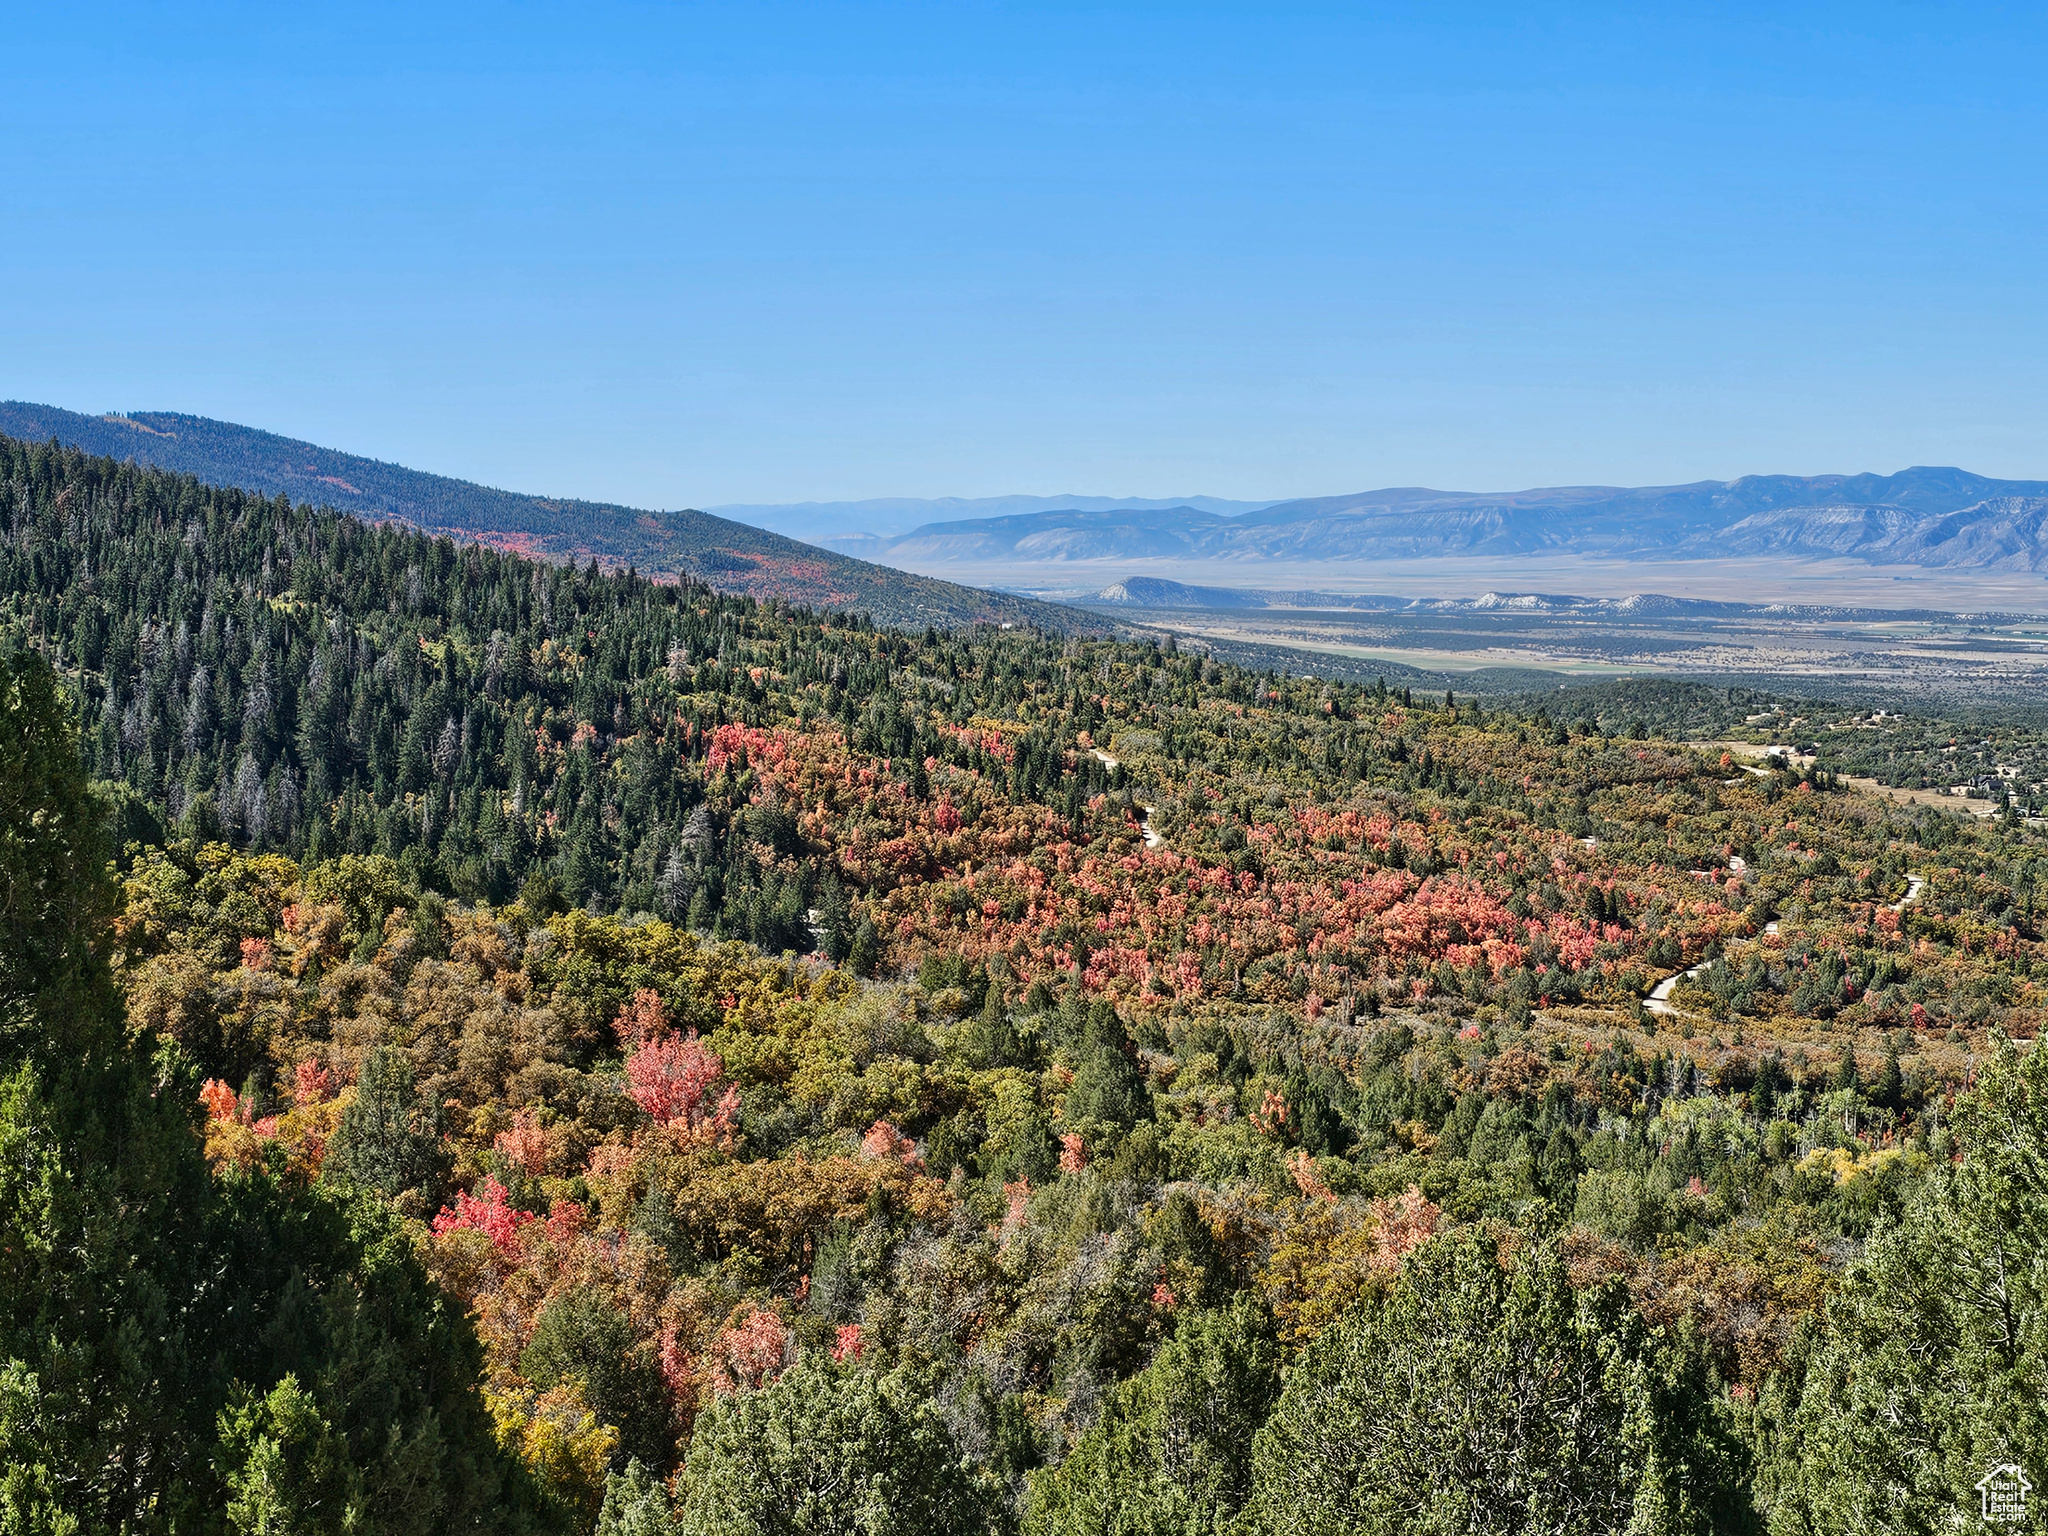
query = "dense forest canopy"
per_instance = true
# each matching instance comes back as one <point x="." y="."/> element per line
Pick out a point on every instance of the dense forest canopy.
<point x="735" y="557"/>
<point x="556" y="1049"/>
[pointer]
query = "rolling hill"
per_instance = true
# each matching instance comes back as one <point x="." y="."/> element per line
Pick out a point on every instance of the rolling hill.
<point x="732" y="556"/>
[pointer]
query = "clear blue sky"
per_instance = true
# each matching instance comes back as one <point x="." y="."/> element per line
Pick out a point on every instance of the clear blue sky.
<point x="691" y="254"/>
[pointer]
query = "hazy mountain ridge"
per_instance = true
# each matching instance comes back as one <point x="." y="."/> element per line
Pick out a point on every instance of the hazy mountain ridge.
<point x="1920" y="516"/>
<point x="1168" y="533"/>
<point x="2009" y="532"/>
<point x="853" y="525"/>
<point x="1933" y="517"/>
<point x="1156" y="592"/>
<point x="732" y="556"/>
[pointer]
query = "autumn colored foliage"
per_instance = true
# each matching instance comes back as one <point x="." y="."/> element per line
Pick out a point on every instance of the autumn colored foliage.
<point x="710" y="996"/>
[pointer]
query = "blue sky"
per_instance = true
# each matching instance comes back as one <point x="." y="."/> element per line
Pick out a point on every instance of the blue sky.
<point x="692" y="254"/>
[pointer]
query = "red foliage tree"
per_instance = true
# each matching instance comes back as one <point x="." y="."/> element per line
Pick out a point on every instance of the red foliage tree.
<point x="883" y="1140"/>
<point x="491" y="1215"/>
<point x="219" y="1099"/>
<point x="524" y="1144"/>
<point x="670" y="1076"/>
<point x="1073" y="1156"/>
<point x="750" y="1352"/>
<point x="312" y="1084"/>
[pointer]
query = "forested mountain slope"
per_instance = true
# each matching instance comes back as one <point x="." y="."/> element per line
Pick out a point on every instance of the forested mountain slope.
<point x="730" y="556"/>
<point x="979" y="1081"/>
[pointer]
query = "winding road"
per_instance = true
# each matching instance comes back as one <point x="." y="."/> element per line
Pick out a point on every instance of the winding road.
<point x="1152" y="838"/>
<point x="1659" y="1000"/>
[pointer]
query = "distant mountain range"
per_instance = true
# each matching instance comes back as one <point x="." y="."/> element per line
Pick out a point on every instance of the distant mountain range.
<point x="1927" y="517"/>
<point x="854" y="526"/>
<point x="732" y="556"/>
<point x="1924" y="517"/>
